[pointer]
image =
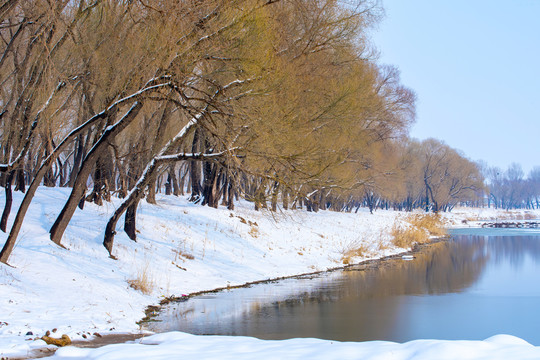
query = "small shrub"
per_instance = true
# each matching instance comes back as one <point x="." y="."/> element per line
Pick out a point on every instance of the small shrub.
<point x="143" y="282"/>
<point x="254" y="231"/>
<point x="420" y="228"/>
<point x="432" y="223"/>
<point x="405" y="237"/>
<point x="382" y="246"/>
<point x="352" y="251"/>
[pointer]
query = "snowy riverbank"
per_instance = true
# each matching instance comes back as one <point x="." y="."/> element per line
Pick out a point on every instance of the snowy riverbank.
<point x="181" y="248"/>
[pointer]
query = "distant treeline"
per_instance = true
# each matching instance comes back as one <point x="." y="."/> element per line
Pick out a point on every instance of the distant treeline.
<point x="511" y="189"/>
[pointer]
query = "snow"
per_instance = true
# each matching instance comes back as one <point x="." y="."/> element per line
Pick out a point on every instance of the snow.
<point x="181" y="345"/>
<point x="184" y="248"/>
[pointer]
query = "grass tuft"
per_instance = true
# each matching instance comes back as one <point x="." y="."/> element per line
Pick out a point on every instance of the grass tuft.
<point x="353" y="250"/>
<point x="417" y="230"/>
<point x="143" y="282"/>
<point x="254" y="231"/>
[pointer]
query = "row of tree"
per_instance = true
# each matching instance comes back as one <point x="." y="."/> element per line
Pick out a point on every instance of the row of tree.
<point x="511" y="189"/>
<point x="277" y="101"/>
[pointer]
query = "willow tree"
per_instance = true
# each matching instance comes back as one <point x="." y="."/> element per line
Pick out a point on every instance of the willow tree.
<point x="284" y="95"/>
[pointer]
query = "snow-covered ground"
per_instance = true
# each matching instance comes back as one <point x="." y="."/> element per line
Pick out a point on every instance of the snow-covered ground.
<point x="183" y="346"/>
<point x="181" y="249"/>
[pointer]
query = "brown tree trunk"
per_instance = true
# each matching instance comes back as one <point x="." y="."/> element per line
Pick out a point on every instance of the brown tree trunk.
<point x="230" y="191"/>
<point x="9" y="202"/>
<point x="275" y="192"/>
<point x="211" y="178"/>
<point x="322" y="200"/>
<point x="225" y="191"/>
<point x="195" y="169"/>
<point x="102" y="172"/>
<point x="21" y="183"/>
<point x="130" y="220"/>
<point x="62" y="221"/>
<point x="182" y="180"/>
<point x="168" y="186"/>
<point x="151" y="196"/>
<point x="174" y="181"/>
<point x="80" y="152"/>
<point x="110" y="229"/>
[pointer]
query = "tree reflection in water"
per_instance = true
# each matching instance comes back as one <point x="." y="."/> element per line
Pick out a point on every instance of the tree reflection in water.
<point x="398" y="300"/>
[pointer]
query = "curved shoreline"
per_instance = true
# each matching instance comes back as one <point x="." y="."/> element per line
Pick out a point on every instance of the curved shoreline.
<point x="152" y="310"/>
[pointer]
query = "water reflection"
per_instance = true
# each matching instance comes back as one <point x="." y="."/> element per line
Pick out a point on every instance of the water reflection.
<point x="471" y="287"/>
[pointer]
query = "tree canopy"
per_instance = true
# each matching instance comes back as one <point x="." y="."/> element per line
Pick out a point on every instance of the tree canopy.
<point x="273" y="100"/>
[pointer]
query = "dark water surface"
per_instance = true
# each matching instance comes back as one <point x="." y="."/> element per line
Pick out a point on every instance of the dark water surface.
<point x="481" y="283"/>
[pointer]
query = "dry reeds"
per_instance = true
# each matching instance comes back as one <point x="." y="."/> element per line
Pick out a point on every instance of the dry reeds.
<point x="417" y="229"/>
<point x="351" y="251"/>
<point x="143" y="282"/>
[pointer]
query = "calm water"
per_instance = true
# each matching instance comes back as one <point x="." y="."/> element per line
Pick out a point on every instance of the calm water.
<point x="481" y="283"/>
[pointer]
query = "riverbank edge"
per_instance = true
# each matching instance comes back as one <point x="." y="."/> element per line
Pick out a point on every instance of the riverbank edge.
<point x="152" y="310"/>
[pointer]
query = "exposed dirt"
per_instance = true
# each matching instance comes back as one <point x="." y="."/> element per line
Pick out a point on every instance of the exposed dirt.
<point x="94" y="342"/>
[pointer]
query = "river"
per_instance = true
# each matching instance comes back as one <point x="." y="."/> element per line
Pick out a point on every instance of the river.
<point x="479" y="283"/>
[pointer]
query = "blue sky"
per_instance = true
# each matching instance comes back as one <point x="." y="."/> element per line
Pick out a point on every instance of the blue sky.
<point x="475" y="66"/>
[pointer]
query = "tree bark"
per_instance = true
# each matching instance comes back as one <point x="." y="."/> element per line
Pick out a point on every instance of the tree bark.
<point x="195" y="169"/>
<point x="9" y="202"/>
<point x="275" y="192"/>
<point x="130" y="220"/>
<point x="230" y="191"/>
<point x="151" y="196"/>
<point x="174" y="181"/>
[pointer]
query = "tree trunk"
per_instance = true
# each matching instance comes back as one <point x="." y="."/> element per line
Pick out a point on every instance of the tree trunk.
<point x="285" y="200"/>
<point x="62" y="221"/>
<point x="110" y="229"/>
<point x="21" y="183"/>
<point x="130" y="220"/>
<point x="230" y="193"/>
<point x="151" y="196"/>
<point x="102" y="173"/>
<point x="168" y="186"/>
<point x="195" y="169"/>
<point x="322" y="200"/>
<point x="275" y="192"/>
<point x="182" y="177"/>
<point x="83" y="142"/>
<point x="174" y="181"/>
<point x="9" y="202"/>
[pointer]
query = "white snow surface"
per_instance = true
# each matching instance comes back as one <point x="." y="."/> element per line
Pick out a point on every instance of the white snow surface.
<point x="177" y="345"/>
<point x="184" y="248"/>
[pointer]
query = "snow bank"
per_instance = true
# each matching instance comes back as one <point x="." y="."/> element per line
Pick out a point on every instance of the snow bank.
<point x="180" y="345"/>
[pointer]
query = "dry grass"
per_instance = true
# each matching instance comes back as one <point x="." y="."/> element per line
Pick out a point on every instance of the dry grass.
<point x="418" y="231"/>
<point x="182" y="255"/>
<point x="432" y="223"/>
<point x="143" y="282"/>
<point x="529" y="216"/>
<point x="351" y="251"/>
<point x="382" y="246"/>
<point x="254" y="231"/>
<point x="405" y="237"/>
